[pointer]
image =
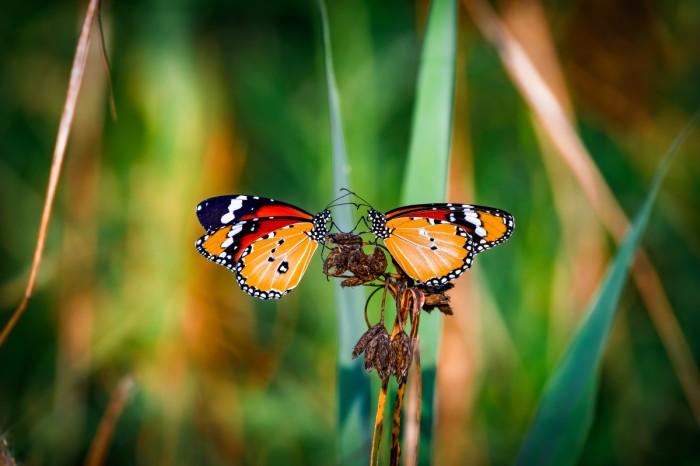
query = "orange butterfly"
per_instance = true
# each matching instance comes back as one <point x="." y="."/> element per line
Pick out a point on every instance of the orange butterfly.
<point x="267" y="243"/>
<point x="436" y="243"/>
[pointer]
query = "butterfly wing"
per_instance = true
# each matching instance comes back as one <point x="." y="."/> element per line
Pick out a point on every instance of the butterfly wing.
<point x="216" y="212"/>
<point x="272" y="265"/>
<point x="487" y="226"/>
<point x="223" y="246"/>
<point x="429" y="250"/>
<point x="267" y="243"/>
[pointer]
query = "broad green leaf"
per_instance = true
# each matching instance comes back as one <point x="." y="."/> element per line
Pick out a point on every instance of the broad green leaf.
<point x="565" y="411"/>
<point x="352" y="382"/>
<point x="425" y="179"/>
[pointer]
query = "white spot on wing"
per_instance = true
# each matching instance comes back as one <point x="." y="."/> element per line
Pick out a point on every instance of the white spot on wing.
<point x="231" y="234"/>
<point x="236" y="203"/>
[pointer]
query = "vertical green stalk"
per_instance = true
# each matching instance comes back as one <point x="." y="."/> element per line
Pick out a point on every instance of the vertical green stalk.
<point x="425" y="179"/>
<point x="353" y="388"/>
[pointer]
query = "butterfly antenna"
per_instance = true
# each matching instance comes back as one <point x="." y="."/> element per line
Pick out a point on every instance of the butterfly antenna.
<point x="358" y="223"/>
<point x="365" y="203"/>
<point x="335" y="225"/>
<point x="348" y="193"/>
<point x="357" y="206"/>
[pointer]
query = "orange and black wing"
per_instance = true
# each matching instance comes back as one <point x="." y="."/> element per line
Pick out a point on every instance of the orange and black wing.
<point x="430" y="251"/>
<point x="272" y="265"/>
<point x="268" y="244"/>
<point x="217" y="212"/>
<point x="487" y="226"/>
<point x="436" y="243"/>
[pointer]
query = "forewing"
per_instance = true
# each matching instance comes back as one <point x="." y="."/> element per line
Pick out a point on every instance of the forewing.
<point x="216" y="212"/>
<point x="274" y="264"/>
<point x="429" y="250"/>
<point x="488" y="226"/>
<point x="223" y="246"/>
<point x="226" y="245"/>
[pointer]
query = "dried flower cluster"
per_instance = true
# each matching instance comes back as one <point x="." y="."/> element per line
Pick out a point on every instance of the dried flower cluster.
<point x="388" y="354"/>
<point x="348" y="256"/>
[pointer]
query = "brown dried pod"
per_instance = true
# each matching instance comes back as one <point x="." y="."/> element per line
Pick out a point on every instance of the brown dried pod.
<point x="352" y="281"/>
<point x="437" y="300"/>
<point x="370" y="267"/>
<point x="376" y="346"/>
<point x="366" y="337"/>
<point x="348" y="255"/>
<point x="339" y="257"/>
<point x="435" y="297"/>
<point x="403" y="354"/>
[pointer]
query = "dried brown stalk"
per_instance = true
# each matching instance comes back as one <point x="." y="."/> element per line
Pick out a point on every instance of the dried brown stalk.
<point x="410" y="300"/>
<point x="387" y="354"/>
<point x="395" y="454"/>
<point x="100" y="444"/>
<point x="411" y="437"/>
<point x="379" y="424"/>
<point x="74" y="84"/>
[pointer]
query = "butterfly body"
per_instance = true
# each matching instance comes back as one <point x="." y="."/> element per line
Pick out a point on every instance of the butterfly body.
<point x="267" y="243"/>
<point x="436" y="243"/>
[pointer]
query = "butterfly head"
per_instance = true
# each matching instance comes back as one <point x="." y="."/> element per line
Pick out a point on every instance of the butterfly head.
<point x="378" y="221"/>
<point x="320" y="222"/>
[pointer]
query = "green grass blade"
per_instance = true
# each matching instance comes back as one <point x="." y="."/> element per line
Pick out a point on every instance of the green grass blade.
<point x="426" y="174"/>
<point x="352" y="382"/>
<point x="565" y="411"/>
<point x="425" y="179"/>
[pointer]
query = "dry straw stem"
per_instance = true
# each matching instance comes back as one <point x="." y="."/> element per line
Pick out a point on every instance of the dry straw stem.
<point x="560" y="130"/>
<point x="411" y="301"/>
<point x="76" y="78"/>
<point x="103" y="437"/>
<point x="415" y="392"/>
<point x="411" y="435"/>
<point x="379" y="424"/>
<point x="395" y="454"/>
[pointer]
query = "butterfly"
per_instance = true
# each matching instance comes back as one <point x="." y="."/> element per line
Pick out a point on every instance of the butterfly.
<point x="436" y="243"/>
<point x="267" y="243"/>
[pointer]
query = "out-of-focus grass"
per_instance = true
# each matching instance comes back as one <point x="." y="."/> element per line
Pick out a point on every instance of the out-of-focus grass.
<point x="353" y="428"/>
<point x="425" y="179"/>
<point x="565" y="411"/>
<point x="229" y="97"/>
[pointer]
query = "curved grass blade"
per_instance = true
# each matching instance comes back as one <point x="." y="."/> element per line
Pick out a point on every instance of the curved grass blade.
<point x="565" y="411"/>
<point x="425" y="179"/>
<point x="352" y="382"/>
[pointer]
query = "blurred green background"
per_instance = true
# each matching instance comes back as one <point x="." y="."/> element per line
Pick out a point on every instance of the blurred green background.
<point x="229" y="97"/>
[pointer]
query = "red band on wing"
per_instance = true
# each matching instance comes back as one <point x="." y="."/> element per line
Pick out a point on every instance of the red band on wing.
<point x="278" y="210"/>
<point x="436" y="214"/>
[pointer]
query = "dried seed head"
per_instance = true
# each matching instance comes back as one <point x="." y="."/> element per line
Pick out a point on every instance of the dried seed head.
<point x="370" y="267"/>
<point x="352" y="281"/>
<point x="403" y="351"/>
<point x="376" y="346"/>
<point x="348" y="255"/>
<point x="348" y="240"/>
<point x="437" y="300"/>
<point x="366" y="338"/>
